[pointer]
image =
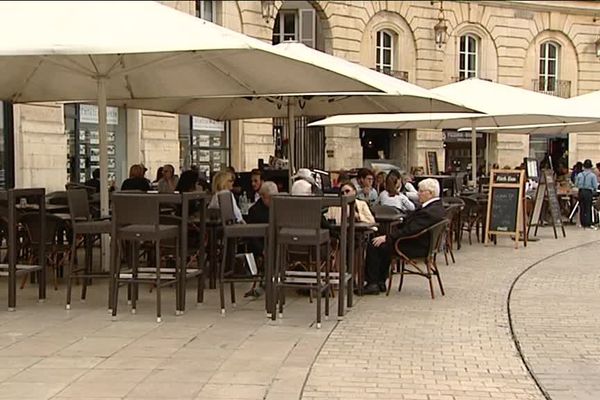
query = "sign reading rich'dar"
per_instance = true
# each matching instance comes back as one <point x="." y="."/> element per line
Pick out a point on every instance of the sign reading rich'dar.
<point x="505" y="205"/>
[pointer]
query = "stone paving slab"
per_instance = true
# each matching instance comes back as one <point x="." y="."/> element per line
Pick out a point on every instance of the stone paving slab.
<point x="402" y="347"/>
<point x="47" y="352"/>
<point x="556" y="316"/>
<point x="459" y="346"/>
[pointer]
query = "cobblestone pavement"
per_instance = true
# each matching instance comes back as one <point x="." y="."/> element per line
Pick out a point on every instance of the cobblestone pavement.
<point x="555" y="308"/>
<point x="460" y="346"/>
<point x="402" y="347"/>
<point x="49" y="353"/>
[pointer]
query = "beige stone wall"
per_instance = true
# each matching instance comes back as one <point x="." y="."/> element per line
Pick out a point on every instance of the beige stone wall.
<point x="159" y="141"/>
<point x="509" y="33"/>
<point x="40" y="146"/>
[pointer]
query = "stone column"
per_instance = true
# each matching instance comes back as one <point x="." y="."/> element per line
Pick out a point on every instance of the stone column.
<point x="159" y="141"/>
<point x="420" y="142"/>
<point x="40" y="146"/>
<point x="511" y="149"/>
<point x="342" y="148"/>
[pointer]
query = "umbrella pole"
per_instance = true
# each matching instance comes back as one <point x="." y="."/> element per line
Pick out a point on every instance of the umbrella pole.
<point x="487" y="152"/>
<point x="473" y="152"/>
<point x="291" y="138"/>
<point x="103" y="166"/>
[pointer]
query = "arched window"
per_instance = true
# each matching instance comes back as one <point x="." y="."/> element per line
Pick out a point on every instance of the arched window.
<point x="467" y="57"/>
<point x="385" y="52"/>
<point x="549" y="53"/>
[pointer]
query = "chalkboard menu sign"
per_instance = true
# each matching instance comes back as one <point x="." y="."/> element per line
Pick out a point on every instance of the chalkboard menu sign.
<point x="547" y="191"/>
<point x="505" y="205"/>
<point x="432" y="163"/>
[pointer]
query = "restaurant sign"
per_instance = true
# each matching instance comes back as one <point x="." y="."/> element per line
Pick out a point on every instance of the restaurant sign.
<point x="456" y="136"/>
<point x="88" y="113"/>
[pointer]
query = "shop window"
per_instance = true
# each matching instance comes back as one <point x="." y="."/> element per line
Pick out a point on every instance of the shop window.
<point x="6" y="146"/>
<point x="205" y="9"/>
<point x="205" y="143"/>
<point x="385" y="52"/>
<point x="296" y="25"/>
<point x="549" y="57"/>
<point x="81" y="126"/>
<point x="468" y="57"/>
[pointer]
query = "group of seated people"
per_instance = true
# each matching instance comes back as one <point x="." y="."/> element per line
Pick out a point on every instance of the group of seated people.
<point x="396" y="190"/>
<point x="422" y="208"/>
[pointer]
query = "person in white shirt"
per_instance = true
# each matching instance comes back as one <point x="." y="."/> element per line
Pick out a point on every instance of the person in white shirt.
<point x="305" y="184"/>
<point x="392" y="197"/>
<point x="409" y="189"/>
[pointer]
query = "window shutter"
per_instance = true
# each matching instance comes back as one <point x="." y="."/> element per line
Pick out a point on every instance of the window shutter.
<point x="307" y="31"/>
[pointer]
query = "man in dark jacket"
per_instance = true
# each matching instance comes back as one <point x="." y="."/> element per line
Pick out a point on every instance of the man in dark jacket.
<point x="379" y="251"/>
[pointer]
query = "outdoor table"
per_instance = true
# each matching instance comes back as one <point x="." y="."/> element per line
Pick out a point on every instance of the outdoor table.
<point x="51" y="208"/>
<point x="347" y="238"/>
<point x="11" y="269"/>
<point x="387" y="222"/>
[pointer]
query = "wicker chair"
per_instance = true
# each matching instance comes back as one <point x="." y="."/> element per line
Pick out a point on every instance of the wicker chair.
<point x="410" y="266"/>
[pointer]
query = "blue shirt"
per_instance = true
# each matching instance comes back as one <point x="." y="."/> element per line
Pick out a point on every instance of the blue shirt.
<point x="587" y="180"/>
<point x="371" y="198"/>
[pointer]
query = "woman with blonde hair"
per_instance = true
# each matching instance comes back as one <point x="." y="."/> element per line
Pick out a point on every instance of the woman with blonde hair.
<point x="223" y="182"/>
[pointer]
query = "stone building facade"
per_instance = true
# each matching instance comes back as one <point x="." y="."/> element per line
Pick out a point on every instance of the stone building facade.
<point x="538" y="45"/>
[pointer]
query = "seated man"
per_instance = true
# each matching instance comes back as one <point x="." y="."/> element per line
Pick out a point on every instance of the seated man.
<point x="95" y="181"/>
<point x="379" y="251"/>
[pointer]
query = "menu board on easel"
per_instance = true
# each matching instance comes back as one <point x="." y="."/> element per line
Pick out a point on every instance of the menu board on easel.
<point x="505" y="205"/>
<point x="547" y="191"/>
<point x="432" y="163"/>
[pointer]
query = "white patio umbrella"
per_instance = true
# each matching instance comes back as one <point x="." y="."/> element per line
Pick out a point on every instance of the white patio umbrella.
<point x="98" y="51"/>
<point x="588" y="103"/>
<point x="503" y="105"/>
<point x="542" y="129"/>
<point x="396" y="96"/>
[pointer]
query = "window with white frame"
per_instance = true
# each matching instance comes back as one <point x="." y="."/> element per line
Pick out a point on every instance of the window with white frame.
<point x="296" y="25"/>
<point x="468" y="57"/>
<point x="205" y="9"/>
<point x="385" y="52"/>
<point x="549" y="53"/>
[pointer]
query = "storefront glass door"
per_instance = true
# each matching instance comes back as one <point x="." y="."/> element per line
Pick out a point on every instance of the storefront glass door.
<point x="81" y="124"/>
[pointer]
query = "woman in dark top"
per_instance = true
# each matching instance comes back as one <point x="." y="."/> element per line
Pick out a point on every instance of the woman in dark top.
<point x="136" y="180"/>
<point x="187" y="183"/>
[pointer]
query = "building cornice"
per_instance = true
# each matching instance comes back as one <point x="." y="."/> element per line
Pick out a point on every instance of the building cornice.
<point x="569" y="7"/>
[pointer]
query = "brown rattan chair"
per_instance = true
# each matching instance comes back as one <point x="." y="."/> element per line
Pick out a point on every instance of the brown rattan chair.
<point x="453" y="211"/>
<point x="83" y="225"/>
<point x="136" y="219"/>
<point x="470" y="217"/>
<point x="57" y="252"/>
<point x="410" y="266"/>
<point x="298" y="224"/>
